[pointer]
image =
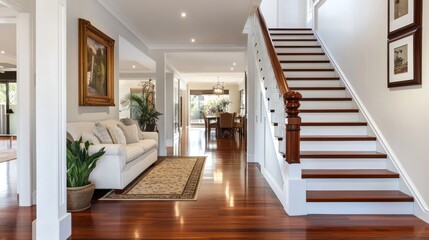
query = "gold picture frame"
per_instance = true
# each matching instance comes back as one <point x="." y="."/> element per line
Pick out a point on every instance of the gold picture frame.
<point x="96" y="66"/>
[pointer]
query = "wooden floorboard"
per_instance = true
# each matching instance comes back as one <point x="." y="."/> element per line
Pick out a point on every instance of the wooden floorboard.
<point x="234" y="202"/>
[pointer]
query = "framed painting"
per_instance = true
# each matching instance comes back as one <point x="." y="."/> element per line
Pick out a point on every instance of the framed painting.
<point x="96" y="66"/>
<point x="405" y="59"/>
<point x="404" y="15"/>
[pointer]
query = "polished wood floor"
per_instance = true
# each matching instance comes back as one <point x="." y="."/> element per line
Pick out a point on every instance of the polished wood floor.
<point x="234" y="202"/>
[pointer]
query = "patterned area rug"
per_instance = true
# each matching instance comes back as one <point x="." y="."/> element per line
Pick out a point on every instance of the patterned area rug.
<point x="170" y="178"/>
<point x="7" y="155"/>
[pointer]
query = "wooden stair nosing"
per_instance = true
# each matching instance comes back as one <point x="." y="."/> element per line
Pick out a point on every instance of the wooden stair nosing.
<point x="298" y="46"/>
<point x="305" y="61"/>
<point x="326" y="99"/>
<point x="317" y="88"/>
<point x="294" y="40"/>
<point x="290" y="29"/>
<point x="292" y="34"/>
<point x="325" y="138"/>
<point x="300" y="54"/>
<point x="313" y="79"/>
<point x="341" y="154"/>
<point x="333" y="124"/>
<point x="347" y="173"/>
<point x="308" y="70"/>
<point x="329" y="110"/>
<point x="358" y="196"/>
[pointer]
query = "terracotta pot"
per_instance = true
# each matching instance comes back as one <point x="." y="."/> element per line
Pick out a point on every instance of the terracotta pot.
<point x="79" y="198"/>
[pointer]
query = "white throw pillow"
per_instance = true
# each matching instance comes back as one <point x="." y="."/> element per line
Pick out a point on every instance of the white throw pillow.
<point x="90" y="138"/>
<point x="100" y="131"/>
<point x="117" y="135"/>
<point x="130" y="132"/>
<point x="130" y="122"/>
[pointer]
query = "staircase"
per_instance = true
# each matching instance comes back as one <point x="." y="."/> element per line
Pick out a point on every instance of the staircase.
<point x="345" y="170"/>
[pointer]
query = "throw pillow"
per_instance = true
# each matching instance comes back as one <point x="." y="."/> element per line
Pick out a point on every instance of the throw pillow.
<point x="90" y="138"/>
<point x="102" y="134"/>
<point x="130" y="132"/>
<point x="117" y="135"/>
<point x="130" y="122"/>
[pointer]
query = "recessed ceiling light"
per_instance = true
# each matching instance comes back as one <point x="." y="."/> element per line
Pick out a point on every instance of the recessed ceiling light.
<point x="232" y="69"/>
<point x="193" y="40"/>
<point x="134" y="66"/>
<point x="2" y="52"/>
<point x="234" y="64"/>
<point x="183" y="14"/>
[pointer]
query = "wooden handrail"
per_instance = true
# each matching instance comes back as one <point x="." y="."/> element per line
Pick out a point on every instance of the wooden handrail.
<point x="291" y="99"/>
<point x="278" y="70"/>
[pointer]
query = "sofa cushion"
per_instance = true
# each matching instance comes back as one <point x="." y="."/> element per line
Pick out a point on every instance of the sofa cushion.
<point x="148" y="144"/>
<point x="90" y="138"/>
<point x="100" y="131"/>
<point x="130" y="122"/>
<point x="132" y="152"/>
<point x="117" y="135"/>
<point x="130" y="132"/>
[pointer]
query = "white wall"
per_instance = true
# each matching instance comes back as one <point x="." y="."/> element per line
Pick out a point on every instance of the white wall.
<point x="355" y="32"/>
<point x="285" y="13"/>
<point x="92" y="11"/>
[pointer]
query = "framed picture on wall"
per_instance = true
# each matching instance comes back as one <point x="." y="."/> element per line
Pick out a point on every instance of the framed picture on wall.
<point x="404" y="15"/>
<point x="405" y="59"/>
<point x="96" y="66"/>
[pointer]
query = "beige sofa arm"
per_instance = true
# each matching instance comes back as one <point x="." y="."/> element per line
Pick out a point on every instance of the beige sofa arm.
<point x="151" y="135"/>
<point x="110" y="149"/>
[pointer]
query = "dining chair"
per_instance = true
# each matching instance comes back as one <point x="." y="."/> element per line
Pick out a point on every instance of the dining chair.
<point x="209" y="124"/>
<point x="226" y="122"/>
<point x="239" y="125"/>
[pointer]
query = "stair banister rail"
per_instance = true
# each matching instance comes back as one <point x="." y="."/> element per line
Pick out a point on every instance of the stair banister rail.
<point x="291" y="99"/>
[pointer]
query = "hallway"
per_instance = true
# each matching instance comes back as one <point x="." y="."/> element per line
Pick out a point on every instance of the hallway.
<point x="233" y="202"/>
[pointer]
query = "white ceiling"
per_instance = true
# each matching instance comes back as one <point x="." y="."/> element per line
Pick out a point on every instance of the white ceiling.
<point x="207" y="62"/>
<point x="227" y="78"/>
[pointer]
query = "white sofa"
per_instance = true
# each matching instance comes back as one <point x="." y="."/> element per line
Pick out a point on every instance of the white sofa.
<point x="121" y="164"/>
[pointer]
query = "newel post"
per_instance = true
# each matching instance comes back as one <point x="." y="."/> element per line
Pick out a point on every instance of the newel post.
<point x="293" y="126"/>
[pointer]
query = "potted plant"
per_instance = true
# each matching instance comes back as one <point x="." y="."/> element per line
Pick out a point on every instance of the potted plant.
<point x="79" y="166"/>
<point x="142" y="110"/>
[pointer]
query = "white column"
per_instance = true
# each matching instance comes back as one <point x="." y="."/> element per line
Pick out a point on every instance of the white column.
<point x="53" y="221"/>
<point x="251" y="96"/>
<point x="160" y="99"/>
<point x="169" y="113"/>
<point x="25" y="109"/>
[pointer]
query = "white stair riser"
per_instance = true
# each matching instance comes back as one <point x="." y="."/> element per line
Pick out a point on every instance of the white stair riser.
<point x="293" y="37"/>
<point x="326" y="104"/>
<point x="302" y="57"/>
<point x="352" y="184"/>
<point x="347" y="163"/>
<point x="360" y="208"/>
<point x="296" y="43"/>
<point x="279" y="131"/>
<point x="291" y="31"/>
<point x="338" y="146"/>
<point x="323" y="93"/>
<point x="329" y="117"/>
<point x="305" y="65"/>
<point x="333" y="130"/>
<point x="292" y="74"/>
<point x="314" y="83"/>
<point x="299" y="50"/>
<point x="282" y="146"/>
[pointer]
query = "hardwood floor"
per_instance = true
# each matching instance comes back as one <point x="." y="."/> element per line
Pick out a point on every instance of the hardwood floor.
<point x="234" y="202"/>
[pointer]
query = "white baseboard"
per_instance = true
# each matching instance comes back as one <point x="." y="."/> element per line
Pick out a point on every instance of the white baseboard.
<point x="422" y="210"/>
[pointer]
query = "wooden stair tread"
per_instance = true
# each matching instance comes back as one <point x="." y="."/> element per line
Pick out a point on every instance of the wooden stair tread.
<point x="329" y="110"/>
<point x="290" y="29"/>
<point x="308" y="70"/>
<point x="337" y="138"/>
<point x="342" y="124"/>
<point x="300" y="46"/>
<point x="300" y="54"/>
<point x="317" y="88"/>
<point x="342" y="154"/>
<point x="294" y="40"/>
<point x="313" y="79"/>
<point x="326" y="99"/>
<point x="305" y="61"/>
<point x="291" y="34"/>
<point x="348" y="173"/>
<point x="358" y="196"/>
